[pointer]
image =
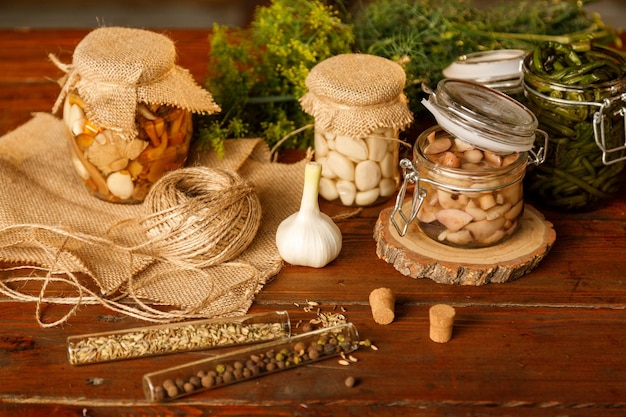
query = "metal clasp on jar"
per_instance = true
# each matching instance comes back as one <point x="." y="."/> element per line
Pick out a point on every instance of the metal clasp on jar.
<point x="599" y="130"/>
<point x="607" y="107"/>
<point x="411" y="176"/>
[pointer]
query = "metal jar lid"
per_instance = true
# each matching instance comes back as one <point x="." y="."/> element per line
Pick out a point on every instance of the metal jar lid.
<point x="498" y="69"/>
<point x="485" y="118"/>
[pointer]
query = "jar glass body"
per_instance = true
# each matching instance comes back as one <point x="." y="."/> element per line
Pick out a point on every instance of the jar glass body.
<point x="477" y="204"/>
<point x="122" y="170"/>
<point x="578" y="174"/>
<point x="358" y="172"/>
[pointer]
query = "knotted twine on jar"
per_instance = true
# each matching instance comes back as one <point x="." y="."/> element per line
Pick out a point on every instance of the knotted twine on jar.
<point x="114" y="68"/>
<point x="354" y="94"/>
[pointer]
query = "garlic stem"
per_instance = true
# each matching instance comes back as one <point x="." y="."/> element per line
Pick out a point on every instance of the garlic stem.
<point x="310" y="192"/>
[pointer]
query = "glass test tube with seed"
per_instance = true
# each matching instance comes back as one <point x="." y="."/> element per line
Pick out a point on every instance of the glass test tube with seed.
<point x="250" y="362"/>
<point x="177" y="337"/>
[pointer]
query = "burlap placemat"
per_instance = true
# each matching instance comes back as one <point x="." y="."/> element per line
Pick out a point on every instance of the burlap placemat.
<point x="50" y="224"/>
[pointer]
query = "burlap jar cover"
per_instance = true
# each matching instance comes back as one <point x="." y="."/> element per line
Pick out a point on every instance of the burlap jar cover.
<point x="359" y="107"/>
<point x="114" y="68"/>
<point x="353" y="94"/>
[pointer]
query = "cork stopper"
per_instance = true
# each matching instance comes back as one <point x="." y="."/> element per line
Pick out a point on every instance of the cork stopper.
<point x="441" y="322"/>
<point x="354" y="94"/>
<point x="382" y="303"/>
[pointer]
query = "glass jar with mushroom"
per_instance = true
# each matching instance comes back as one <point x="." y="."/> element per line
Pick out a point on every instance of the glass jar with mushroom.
<point x="128" y="111"/>
<point x="123" y="170"/>
<point x="468" y="169"/>
<point x="474" y="198"/>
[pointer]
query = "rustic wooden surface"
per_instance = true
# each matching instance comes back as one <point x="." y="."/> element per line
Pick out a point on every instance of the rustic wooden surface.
<point x="551" y="343"/>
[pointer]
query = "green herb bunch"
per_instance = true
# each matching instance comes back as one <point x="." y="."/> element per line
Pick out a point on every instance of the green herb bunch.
<point x="257" y="74"/>
<point x="426" y="37"/>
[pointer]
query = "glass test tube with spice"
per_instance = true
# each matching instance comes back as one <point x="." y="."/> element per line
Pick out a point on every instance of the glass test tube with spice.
<point x="128" y="111"/>
<point x="140" y="342"/>
<point x="245" y="364"/>
<point x="359" y="108"/>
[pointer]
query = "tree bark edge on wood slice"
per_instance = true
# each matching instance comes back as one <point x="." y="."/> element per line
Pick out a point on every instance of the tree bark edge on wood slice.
<point x="418" y="256"/>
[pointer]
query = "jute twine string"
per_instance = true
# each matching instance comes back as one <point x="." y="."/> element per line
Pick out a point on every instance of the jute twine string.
<point x="201" y="216"/>
<point x="195" y="218"/>
<point x="61" y="248"/>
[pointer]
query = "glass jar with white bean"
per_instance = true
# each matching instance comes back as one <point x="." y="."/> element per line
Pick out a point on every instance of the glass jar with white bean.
<point x="359" y="108"/>
<point x="468" y="170"/>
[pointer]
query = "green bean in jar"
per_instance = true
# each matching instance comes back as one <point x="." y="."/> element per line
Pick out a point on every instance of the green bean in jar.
<point x="578" y="98"/>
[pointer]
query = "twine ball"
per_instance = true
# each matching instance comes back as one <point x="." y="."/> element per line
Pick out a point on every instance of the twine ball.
<point x="201" y="216"/>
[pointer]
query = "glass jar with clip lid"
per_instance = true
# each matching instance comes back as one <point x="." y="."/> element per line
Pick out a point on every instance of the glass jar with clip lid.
<point x="579" y="97"/>
<point x="468" y="169"/>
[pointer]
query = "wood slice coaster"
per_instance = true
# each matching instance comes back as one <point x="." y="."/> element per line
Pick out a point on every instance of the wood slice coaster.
<point x="418" y="256"/>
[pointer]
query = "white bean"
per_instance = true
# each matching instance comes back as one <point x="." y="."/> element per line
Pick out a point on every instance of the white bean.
<point x="321" y="145"/>
<point x="367" y="175"/>
<point x="347" y="192"/>
<point x="377" y="148"/>
<point x="387" y="186"/>
<point x="328" y="189"/>
<point x="120" y="184"/>
<point x="354" y="149"/>
<point x="367" y="198"/>
<point x="342" y="166"/>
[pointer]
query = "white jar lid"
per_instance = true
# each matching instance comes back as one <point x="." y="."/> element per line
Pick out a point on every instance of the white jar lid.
<point x="486" y="118"/>
<point x="496" y="69"/>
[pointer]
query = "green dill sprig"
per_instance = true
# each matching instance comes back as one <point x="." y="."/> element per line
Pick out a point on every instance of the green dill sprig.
<point x="257" y="74"/>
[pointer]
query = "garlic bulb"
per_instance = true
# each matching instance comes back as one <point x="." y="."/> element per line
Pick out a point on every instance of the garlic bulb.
<point x="309" y="237"/>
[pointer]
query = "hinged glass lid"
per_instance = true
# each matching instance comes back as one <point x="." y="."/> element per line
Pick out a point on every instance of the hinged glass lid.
<point x="484" y="117"/>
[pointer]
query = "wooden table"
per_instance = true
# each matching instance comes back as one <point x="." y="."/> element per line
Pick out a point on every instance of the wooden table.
<point x="550" y="343"/>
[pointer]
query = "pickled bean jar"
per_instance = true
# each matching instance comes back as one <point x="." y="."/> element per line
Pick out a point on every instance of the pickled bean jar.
<point x="579" y="98"/>
<point x="128" y="109"/>
<point x="468" y="169"/>
<point x="359" y="108"/>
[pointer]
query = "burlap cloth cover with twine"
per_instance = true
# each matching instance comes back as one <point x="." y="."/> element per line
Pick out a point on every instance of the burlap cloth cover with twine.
<point x="114" y="68"/>
<point x="60" y="245"/>
<point x="354" y="94"/>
